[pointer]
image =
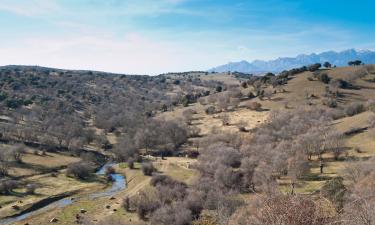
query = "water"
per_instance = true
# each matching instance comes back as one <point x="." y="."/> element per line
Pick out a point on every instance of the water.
<point x="119" y="183"/>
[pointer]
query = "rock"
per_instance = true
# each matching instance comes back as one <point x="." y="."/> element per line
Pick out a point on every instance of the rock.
<point x="53" y="220"/>
<point x="15" y="207"/>
<point x="108" y="206"/>
<point x="83" y="211"/>
<point x="112" y="198"/>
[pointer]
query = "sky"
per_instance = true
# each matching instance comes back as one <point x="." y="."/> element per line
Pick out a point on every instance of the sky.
<point x="158" y="36"/>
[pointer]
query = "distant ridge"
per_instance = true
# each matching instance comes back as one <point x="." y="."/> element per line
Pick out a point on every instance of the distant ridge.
<point x="335" y="58"/>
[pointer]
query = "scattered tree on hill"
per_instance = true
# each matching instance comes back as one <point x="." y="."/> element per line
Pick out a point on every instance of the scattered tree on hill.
<point x="327" y="65"/>
<point x="314" y="67"/>
<point x="355" y="63"/>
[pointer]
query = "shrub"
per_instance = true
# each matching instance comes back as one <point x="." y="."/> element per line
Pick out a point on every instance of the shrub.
<point x="30" y="188"/>
<point x="370" y="105"/>
<point x="110" y="170"/>
<point x="354" y="109"/>
<point x="148" y="168"/>
<point x="6" y="186"/>
<point x="253" y="105"/>
<point x="314" y="67"/>
<point x="323" y="77"/>
<point x="126" y="204"/>
<point x="80" y="170"/>
<point x="210" y="110"/>
<point x="330" y="102"/>
<point x="176" y="214"/>
<point x="130" y="163"/>
<point x="335" y="191"/>
<point x="146" y="204"/>
<point x="340" y="83"/>
<point x="327" y="65"/>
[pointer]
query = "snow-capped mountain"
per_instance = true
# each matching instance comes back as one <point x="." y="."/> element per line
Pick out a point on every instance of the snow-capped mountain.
<point x="335" y="58"/>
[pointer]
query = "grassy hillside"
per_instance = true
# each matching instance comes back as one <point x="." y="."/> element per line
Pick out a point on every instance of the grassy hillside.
<point x="231" y="139"/>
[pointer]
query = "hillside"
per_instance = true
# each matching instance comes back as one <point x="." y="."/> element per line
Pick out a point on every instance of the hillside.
<point x="187" y="144"/>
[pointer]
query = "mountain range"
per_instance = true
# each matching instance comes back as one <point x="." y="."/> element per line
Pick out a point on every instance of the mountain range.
<point x="285" y="63"/>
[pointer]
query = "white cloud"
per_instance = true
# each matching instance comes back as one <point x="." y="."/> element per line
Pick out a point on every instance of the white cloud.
<point x="29" y="7"/>
<point x="131" y="54"/>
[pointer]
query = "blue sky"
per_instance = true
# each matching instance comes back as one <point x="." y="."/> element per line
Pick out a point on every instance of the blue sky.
<point x="156" y="36"/>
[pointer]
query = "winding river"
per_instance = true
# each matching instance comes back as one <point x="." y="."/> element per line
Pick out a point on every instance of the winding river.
<point x="118" y="184"/>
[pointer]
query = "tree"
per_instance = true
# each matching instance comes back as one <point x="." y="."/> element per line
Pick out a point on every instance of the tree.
<point x="327" y="65"/>
<point x="17" y="152"/>
<point x="323" y="77"/>
<point x="148" y="168"/>
<point x="334" y="143"/>
<point x="80" y="170"/>
<point x="314" y="67"/>
<point x="355" y="63"/>
<point x="125" y="149"/>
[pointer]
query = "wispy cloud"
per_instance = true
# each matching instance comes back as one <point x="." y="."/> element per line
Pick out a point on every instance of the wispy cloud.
<point x="152" y="36"/>
<point x="29" y="7"/>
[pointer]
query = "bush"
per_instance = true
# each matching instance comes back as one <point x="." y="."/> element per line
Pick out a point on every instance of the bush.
<point x="80" y="170"/>
<point x="126" y="204"/>
<point x="354" y="109"/>
<point x="148" y="168"/>
<point x="110" y="170"/>
<point x="30" y="188"/>
<point x="330" y="102"/>
<point x="314" y="67"/>
<point x="340" y="83"/>
<point x="370" y="105"/>
<point x="176" y="214"/>
<point x="335" y="191"/>
<point x="210" y="110"/>
<point x="323" y="77"/>
<point x="130" y="163"/>
<point x="6" y="186"/>
<point x="146" y="204"/>
<point x="253" y="105"/>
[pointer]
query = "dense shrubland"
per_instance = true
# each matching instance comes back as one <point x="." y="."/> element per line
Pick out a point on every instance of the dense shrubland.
<point x="230" y="164"/>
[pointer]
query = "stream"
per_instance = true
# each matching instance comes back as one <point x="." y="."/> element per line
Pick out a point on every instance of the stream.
<point x="118" y="184"/>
